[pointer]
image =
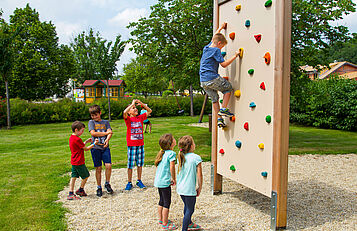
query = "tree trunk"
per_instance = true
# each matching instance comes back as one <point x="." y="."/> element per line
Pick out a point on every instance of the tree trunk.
<point x="191" y="96"/>
<point x="7" y="105"/>
<point x="108" y="90"/>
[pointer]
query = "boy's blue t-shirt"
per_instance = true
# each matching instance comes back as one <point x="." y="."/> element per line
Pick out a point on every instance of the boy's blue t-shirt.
<point x="99" y="126"/>
<point x="211" y="58"/>
<point x="187" y="177"/>
<point x="142" y="112"/>
<point x="163" y="174"/>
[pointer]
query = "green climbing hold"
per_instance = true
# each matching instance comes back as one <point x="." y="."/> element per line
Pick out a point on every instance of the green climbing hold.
<point x="221" y="100"/>
<point x="232" y="168"/>
<point x="250" y="71"/>
<point x="268" y="118"/>
<point x="268" y="3"/>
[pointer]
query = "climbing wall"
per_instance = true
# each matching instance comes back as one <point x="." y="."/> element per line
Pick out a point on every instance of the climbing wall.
<point x="245" y="147"/>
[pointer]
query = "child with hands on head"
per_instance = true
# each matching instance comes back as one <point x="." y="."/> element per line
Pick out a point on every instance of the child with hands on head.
<point x="135" y="140"/>
<point x="79" y="168"/>
<point x="165" y="177"/>
<point x="189" y="173"/>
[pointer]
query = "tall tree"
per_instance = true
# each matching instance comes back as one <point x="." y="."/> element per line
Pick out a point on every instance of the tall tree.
<point x="37" y="72"/>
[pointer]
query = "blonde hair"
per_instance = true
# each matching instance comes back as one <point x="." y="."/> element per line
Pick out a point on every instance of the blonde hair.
<point x="165" y="143"/>
<point x="218" y="37"/>
<point x="185" y="145"/>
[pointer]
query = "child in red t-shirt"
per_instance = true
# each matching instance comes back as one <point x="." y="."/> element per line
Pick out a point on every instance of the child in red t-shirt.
<point x="135" y="140"/>
<point x="79" y="169"/>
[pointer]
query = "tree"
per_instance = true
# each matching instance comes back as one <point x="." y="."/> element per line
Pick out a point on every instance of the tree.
<point x="174" y="34"/>
<point x="38" y="68"/>
<point x="343" y="51"/>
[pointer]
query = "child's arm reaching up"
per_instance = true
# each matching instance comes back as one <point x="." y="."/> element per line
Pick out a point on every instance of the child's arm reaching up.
<point x="229" y="61"/>
<point x="199" y="178"/>
<point x="125" y="114"/>
<point x="145" y="107"/>
<point x="223" y="26"/>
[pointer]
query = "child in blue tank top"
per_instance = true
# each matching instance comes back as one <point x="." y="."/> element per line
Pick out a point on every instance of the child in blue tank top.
<point x="164" y="178"/>
<point x="189" y="172"/>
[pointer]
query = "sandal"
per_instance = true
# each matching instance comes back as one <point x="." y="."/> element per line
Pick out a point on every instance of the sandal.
<point x="73" y="197"/>
<point x="168" y="222"/>
<point x="169" y="226"/>
<point x="193" y="226"/>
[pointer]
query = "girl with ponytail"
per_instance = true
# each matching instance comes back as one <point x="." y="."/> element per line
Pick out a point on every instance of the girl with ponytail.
<point x="189" y="172"/>
<point x="165" y="177"/>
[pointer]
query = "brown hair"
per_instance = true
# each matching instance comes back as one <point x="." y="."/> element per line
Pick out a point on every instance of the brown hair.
<point x="218" y="37"/>
<point x="165" y="143"/>
<point x="77" y="125"/>
<point x="185" y="144"/>
<point x="94" y="109"/>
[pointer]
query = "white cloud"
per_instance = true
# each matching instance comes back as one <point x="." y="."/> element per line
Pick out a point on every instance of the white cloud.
<point x="66" y="31"/>
<point x="102" y="3"/>
<point x="128" y="15"/>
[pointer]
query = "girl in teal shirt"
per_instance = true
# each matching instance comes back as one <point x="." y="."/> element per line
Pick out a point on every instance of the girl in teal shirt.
<point x="165" y="177"/>
<point x="189" y="172"/>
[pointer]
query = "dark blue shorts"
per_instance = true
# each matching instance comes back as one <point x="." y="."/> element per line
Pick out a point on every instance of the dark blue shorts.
<point x="99" y="155"/>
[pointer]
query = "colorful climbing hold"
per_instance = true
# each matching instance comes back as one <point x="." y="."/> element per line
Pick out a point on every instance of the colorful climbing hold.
<point x="233" y="118"/>
<point x="241" y="51"/>
<point x="268" y="3"/>
<point x="268" y="118"/>
<point x="225" y="77"/>
<point x="237" y="93"/>
<point x="238" y="144"/>
<point x="261" y="146"/>
<point x="225" y="26"/>
<point x="221" y="151"/>
<point x="267" y="58"/>
<point x="252" y="105"/>
<point x="223" y="53"/>
<point x="221" y="100"/>
<point x="264" y="174"/>
<point x="262" y="86"/>
<point x="232" y="35"/>
<point x="247" y="23"/>
<point x="238" y="7"/>
<point x="250" y="71"/>
<point x="258" y="37"/>
<point x="246" y="126"/>
<point x="232" y="168"/>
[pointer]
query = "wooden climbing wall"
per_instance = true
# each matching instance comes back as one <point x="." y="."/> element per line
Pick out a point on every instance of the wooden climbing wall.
<point x="245" y="149"/>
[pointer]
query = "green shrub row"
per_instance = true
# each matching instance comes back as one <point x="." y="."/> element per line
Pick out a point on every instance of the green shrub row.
<point x="326" y="104"/>
<point x="23" y="112"/>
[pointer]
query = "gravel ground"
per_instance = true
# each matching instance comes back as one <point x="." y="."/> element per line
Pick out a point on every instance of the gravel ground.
<point x="322" y="195"/>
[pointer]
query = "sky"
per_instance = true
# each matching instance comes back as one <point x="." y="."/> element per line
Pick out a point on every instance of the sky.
<point x="109" y="17"/>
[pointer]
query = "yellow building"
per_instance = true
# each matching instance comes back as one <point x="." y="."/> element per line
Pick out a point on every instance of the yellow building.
<point x="97" y="89"/>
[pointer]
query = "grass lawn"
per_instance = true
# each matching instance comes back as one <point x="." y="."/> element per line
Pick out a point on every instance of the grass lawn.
<point x="34" y="159"/>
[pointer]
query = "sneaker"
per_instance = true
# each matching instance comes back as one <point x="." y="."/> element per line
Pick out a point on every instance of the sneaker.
<point x="81" y="193"/>
<point x="129" y="186"/>
<point x="194" y="226"/>
<point x="169" y="226"/>
<point x="108" y="188"/>
<point x="99" y="192"/>
<point x="220" y="123"/>
<point x="225" y="112"/>
<point x="73" y="197"/>
<point x="140" y="184"/>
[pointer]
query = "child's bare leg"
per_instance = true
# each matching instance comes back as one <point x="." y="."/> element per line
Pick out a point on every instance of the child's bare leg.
<point x="226" y="99"/>
<point x="108" y="171"/>
<point x="140" y="170"/>
<point x="146" y="128"/>
<point x="165" y="216"/>
<point x="150" y="127"/>
<point x="98" y="175"/>
<point x="130" y="174"/>
<point x="71" y="184"/>
<point x="83" y="182"/>
<point x="216" y="109"/>
<point x="159" y="209"/>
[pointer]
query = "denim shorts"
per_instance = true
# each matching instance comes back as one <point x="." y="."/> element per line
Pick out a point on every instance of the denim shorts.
<point x="218" y="84"/>
<point x="135" y="155"/>
<point x="99" y="155"/>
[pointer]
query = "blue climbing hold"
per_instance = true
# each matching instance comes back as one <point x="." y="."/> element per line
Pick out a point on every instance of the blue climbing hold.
<point x="252" y="105"/>
<point x="238" y="144"/>
<point x="247" y="23"/>
<point x="264" y="174"/>
<point x="223" y="53"/>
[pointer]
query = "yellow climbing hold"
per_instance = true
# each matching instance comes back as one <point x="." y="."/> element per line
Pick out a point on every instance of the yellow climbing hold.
<point x="237" y="93"/>
<point x="261" y="146"/>
<point x="238" y="7"/>
<point x="241" y="50"/>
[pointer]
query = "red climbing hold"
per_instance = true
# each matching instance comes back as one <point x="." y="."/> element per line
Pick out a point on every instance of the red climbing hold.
<point x="246" y="127"/>
<point x="262" y="86"/>
<point x="267" y="58"/>
<point x="258" y="37"/>
<point x="225" y="77"/>
<point x="221" y="151"/>
<point x="232" y="35"/>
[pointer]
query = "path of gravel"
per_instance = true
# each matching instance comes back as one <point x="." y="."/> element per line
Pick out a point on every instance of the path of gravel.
<point x="322" y="195"/>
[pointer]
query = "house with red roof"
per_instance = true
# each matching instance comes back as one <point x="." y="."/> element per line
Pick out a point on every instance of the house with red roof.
<point x="97" y="89"/>
<point x="344" y="70"/>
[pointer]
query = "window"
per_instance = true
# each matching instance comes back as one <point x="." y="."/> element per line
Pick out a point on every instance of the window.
<point x="89" y="92"/>
<point x="114" y="92"/>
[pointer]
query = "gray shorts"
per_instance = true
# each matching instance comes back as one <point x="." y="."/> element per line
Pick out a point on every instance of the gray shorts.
<point x="218" y="84"/>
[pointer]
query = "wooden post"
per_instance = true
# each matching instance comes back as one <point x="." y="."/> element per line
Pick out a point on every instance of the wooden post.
<point x="203" y="108"/>
<point x="217" y="179"/>
<point x="281" y="114"/>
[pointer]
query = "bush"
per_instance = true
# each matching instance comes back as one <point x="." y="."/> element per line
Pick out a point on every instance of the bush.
<point x="24" y="112"/>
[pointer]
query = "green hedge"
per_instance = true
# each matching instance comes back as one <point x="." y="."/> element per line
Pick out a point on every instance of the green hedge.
<point x="326" y="104"/>
<point x="23" y="112"/>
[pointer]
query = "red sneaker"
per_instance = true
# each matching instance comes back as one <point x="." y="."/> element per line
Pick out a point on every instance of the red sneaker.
<point x="81" y="193"/>
<point x="73" y="197"/>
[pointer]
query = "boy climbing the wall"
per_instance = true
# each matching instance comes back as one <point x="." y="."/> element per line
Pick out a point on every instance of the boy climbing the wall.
<point x="210" y="80"/>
